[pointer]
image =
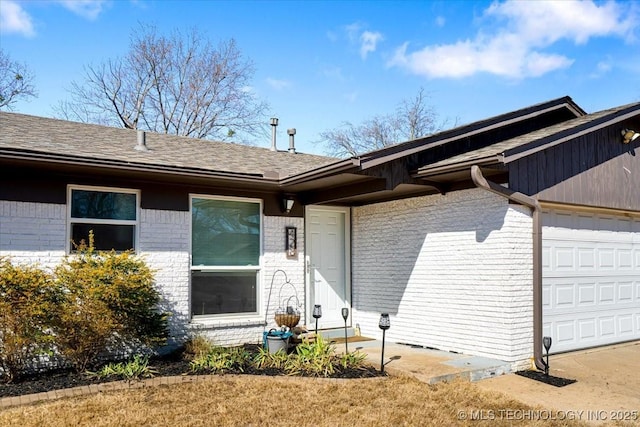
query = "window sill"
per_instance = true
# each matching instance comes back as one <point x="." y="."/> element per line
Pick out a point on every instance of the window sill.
<point x="212" y="323"/>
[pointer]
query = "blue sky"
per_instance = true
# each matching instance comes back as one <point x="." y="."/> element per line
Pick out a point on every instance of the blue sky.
<point x="319" y="64"/>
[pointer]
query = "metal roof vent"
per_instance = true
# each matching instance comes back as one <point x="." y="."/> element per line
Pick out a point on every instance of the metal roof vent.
<point x="274" y="125"/>
<point x="141" y="144"/>
<point x="292" y="145"/>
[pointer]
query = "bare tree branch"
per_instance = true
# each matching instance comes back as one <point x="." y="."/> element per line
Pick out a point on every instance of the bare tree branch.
<point x="177" y="84"/>
<point x="16" y="82"/>
<point x="413" y="119"/>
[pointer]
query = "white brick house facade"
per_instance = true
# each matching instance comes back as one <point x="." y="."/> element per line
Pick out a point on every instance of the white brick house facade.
<point x="454" y="272"/>
<point x="35" y="233"/>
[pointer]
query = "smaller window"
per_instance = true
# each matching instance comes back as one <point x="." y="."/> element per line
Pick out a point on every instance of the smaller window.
<point x="111" y="214"/>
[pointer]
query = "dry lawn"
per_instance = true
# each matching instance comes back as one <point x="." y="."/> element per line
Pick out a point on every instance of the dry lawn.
<point x="277" y="401"/>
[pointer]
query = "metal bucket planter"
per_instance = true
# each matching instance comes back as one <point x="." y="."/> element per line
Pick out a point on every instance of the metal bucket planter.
<point x="276" y="340"/>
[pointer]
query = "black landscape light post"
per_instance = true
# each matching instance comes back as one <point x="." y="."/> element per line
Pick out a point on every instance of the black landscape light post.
<point x="345" y="316"/>
<point x="384" y="324"/>
<point x="317" y="313"/>
<point x="546" y="342"/>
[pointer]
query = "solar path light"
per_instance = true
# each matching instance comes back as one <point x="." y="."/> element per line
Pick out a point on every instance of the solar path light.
<point x="317" y="313"/>
<point x="384" y="324"/>
<point x="546" y="342"/>
<point x="345" y="316"/>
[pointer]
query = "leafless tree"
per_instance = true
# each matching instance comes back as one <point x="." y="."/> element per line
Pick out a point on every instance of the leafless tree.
<point x="180" y="84"/>
<point x="16" y="82"/>
<point x="412" y="119"/>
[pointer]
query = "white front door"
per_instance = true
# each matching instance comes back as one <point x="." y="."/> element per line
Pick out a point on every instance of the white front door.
<point x="328" y="264"/>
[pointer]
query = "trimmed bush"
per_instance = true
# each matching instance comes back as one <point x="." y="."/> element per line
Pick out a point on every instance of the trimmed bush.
<point x="28" y="305"/>
<point x="110" y="304"/>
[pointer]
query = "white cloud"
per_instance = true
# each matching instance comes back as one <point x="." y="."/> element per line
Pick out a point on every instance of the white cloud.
<point x="545" y="22"/>
<point x="440" y="21"/>
<point x="602" y="68"/>
<point x="515" y="45"/>
<point x="353" y="31"/>
<point x="14" y="19"/>
<point x="89" y="9"/>
<point x="369" y="41"/>
<point x="278" y="84"/>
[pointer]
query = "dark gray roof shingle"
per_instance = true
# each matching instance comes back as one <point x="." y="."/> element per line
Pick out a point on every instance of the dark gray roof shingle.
<point x="20" y="132"/>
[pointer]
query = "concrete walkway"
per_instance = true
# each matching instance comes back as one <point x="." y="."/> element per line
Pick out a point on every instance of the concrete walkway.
<point x="427" y="365"/>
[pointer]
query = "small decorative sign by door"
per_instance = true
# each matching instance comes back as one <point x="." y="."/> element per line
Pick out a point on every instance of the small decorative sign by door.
<point x="291" y="245"/>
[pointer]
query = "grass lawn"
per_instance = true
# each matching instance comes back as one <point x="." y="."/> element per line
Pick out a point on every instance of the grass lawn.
<point x="247" y="400"/>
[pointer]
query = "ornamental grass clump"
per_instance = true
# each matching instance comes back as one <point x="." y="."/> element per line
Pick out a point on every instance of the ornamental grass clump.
<point x="134" y="369"/>
<point x="220" y="360"/>
<point x="29" y="300"/>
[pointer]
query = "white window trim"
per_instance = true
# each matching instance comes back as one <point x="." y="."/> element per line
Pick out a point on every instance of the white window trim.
<point x="232" y="318"/>
<point x="135" y="223"/>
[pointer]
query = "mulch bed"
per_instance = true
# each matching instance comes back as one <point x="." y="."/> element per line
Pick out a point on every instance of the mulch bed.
<point x="170" y="365"/>
<point x="547" y="379"/>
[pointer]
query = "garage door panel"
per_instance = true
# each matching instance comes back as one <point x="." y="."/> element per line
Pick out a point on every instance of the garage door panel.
<point x="587" y="329"/>
<point x="587" y="294"/>
<point x="591" y="279"/>
<point x="625" y="292"/>
<point x="584" y="295"/>
<point x="625" y="259"/>
<point x="625" y="325"/>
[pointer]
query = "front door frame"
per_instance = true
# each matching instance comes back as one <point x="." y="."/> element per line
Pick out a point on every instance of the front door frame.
<point x="347" y="261"/>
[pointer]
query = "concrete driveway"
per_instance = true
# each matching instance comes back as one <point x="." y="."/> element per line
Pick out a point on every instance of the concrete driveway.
<point x="607" y="387"/>
<point x="608" y="380"/>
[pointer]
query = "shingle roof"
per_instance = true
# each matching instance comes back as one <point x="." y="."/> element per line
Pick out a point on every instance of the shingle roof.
<point x="521" y="142"/>
<point x="30" y="134"/>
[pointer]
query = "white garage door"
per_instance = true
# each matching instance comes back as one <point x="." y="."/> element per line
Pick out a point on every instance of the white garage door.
<point x="591" y="279"/>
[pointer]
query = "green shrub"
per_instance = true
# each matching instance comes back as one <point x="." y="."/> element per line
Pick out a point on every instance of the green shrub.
<point x="28" y="302"/>
<point x="263" y="359"/>
<point x="353" y="360"/>
<point x="134" y="369"/>
<point x="221" y="359"/>
<point x="316" y="359"/>
<point x="109" y="303"/>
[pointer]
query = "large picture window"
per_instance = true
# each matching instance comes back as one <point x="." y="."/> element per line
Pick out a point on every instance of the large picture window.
<point x="225" y="254"/>
<point x="112" y="215"/>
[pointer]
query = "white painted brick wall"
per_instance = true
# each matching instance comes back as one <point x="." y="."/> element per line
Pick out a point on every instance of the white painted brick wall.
<point x="33" y="233"/>
<point x="164" y="245"/>
<point x="453" y="271"/>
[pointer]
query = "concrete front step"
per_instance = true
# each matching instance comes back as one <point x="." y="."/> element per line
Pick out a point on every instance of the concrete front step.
<point x="336" y="333"/>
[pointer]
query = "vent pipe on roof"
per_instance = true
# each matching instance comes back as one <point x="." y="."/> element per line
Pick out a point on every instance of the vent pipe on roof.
<point x="292" y="145"/>
<point x="274" y="125"/>
<point x="142" y="141"/>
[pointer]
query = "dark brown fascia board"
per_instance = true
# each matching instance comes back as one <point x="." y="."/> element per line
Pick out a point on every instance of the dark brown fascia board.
<point x="426" y="171"/>
<point x="314" y="197"/>
<point x="557" y="138"/>
<point x="139" y="167"/>
<point x="338" y="167"/>
<point x="376" y="158"/>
